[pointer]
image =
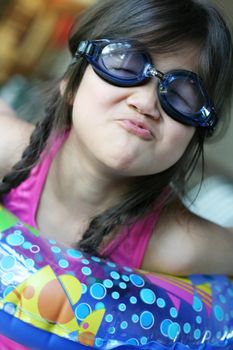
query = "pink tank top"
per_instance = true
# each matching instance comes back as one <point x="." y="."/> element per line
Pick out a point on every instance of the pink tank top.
<point x="129" y="246"/>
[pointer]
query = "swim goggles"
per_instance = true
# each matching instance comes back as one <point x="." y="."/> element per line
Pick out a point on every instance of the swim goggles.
<point x="125" y="63"/>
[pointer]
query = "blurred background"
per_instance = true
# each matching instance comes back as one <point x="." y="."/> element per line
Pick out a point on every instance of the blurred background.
<point x="33" y="40"/>
<point x="33" y="51"/>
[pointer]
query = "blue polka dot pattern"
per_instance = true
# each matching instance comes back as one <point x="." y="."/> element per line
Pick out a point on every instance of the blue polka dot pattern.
<point x="133" y="300"/>
<point x="27" y="245"/>
<point x="99" y="306"/>
<point x="137" y="280"/>
<point x="143" y="340"/>
<point x="7" y="262"/>
<point x="56" y="249"/>
<point x="164" y="326"/>
<point x="197" y="304"/>
<point x="173" y="331"/>
<point x="124" y="325"/>
<point x="82" y="311"/>
<point x="84" y="288"/>
<point x="86" y="271"/>
<point x="74" y="253"/>
<point x="109" y="318"/>
<point x="115" y="275"/>
<point x="135" y="318"/>
<point x="133" y="341"/>
<point x="125" y="278"/>
<point x="108" y="283"/>
<point x="63" y="263"/>
<point x="29" y="263"/>
<point x="218" y="312"/>
<point x="122" y="307"/>
<point x="187" y="328"/>
<point x="115" y="295"/>
<point x="96" y="259"/>
<point x="99" y="342"/>
<point x="147" y="296"/>
<point x="161" y="303"/>
<point x="197" y="334"/>
<point x="15" y="239"/>
<point x="122" y="285"/>
<point x="173" y="312"/>
<point x="98" y="291"/>
<point x="111" y="330"/>
<point x="146" y="320"/>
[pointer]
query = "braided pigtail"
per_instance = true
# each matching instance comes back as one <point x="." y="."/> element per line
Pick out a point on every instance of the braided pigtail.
<point x="132" y="206"/>
<point x="31" y="154"/>
<point x="101" y="226"/>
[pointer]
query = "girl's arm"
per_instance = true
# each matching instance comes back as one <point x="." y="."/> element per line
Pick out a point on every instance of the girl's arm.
<point x="184" y="243"/>
<point x="14" y="137"/>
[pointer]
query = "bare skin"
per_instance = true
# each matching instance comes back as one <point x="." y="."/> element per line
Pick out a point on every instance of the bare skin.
<point x="184" y="243"/>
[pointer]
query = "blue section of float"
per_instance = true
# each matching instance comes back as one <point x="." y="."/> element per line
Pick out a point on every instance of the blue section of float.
<point x="37" y="339"/>
<point x="34" y="338"/>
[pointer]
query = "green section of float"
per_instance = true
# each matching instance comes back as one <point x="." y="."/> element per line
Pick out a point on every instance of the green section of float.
<point x="8" y="220"/>
<point x="32" y="230"/>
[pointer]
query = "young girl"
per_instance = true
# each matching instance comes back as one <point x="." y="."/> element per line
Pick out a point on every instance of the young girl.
<point x="149" y="82"/>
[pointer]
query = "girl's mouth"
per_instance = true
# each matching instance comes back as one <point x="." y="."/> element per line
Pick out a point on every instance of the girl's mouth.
<point x="137" y="128"/>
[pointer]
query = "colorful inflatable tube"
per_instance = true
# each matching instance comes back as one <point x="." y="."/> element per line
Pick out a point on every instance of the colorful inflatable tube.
<point x="54" y="297"/>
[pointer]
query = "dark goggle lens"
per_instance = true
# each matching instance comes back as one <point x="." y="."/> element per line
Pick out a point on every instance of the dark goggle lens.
<point x="185" y="95"/>
<point x="122" y="60"/>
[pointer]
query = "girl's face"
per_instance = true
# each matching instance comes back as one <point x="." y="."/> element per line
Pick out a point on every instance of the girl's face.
<point x="124" y="130"/>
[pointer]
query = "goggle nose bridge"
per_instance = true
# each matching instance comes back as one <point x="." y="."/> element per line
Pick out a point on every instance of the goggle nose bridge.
<point x="151" y="71"/>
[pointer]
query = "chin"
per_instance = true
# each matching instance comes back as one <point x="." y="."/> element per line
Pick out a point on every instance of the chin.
<point x="119" y="165"/>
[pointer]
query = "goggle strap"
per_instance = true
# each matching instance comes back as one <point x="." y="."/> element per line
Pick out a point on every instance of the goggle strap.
<point x="85" y="48"/>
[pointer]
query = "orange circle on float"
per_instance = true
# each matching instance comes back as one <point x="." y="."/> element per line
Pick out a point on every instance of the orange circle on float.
<point x="53" y="304"/>
<point x="28" y="292"/>
<point x="87" y="338"/>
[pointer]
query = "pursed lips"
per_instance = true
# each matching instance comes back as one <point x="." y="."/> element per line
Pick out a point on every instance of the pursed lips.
<point x="137" y="127"/>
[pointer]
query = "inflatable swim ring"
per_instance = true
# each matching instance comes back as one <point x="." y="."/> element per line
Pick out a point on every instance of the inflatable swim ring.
<point x="54" y="297"/>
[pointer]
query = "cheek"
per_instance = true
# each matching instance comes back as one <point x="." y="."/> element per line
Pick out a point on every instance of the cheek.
<point x="94" y="92"/>
<point x="178" y="141"/>
<point x="85" y="96"/>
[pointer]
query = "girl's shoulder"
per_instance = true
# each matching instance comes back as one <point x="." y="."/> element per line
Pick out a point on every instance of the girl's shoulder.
<point x="170" y="246"/>
<point x="184" y="243"/>
<point x="14" y="137"/>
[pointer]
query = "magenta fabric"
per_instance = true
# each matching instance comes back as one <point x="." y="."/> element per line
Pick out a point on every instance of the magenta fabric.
<point x="8" y="344"/>
<point x="129" y="246"/>
<point x="23" y="201"/>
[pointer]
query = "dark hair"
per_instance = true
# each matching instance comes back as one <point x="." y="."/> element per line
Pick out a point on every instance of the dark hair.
<point x="163" y="26"/>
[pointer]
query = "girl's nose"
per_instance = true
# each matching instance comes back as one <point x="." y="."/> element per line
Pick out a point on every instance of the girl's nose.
<point x="144" y="99"/>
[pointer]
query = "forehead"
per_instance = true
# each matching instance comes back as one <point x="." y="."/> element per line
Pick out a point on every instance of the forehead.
<point x="182" y="58"/>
